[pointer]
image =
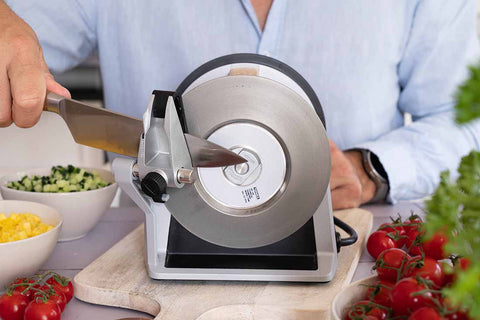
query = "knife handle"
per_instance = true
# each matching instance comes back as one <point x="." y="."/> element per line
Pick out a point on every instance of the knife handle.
<point x="52" y="102"/>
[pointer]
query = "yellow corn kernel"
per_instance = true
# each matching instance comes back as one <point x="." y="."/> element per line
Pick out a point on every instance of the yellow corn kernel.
<point x="21" y="226"/>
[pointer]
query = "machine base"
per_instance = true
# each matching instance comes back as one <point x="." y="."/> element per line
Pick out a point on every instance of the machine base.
<point x="297" y="252"/>
<point x="158" y="227"/>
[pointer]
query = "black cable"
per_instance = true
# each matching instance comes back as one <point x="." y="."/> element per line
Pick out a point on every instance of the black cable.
<point x="343" y="242"/>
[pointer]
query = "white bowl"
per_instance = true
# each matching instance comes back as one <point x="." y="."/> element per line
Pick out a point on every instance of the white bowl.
<point x="25" y="257"/>
<point x="80" y="210"/>
<point x="349" y="295"/>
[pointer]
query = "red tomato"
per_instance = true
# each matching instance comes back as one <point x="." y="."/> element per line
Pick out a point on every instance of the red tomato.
<point x="426" y="268"/>
<point x="397" y="233"/>
<point x="459" y="315"/>
<point x="413" y="223"/>
<point x="378" y="242"/>
<point x="448" y="275"/>
<point x="12" y="307"/>
<point x="380" y="293"/>
<point x="424" y="314"/>
<point x="464" y="263"/>
<point x="20" y="289"/>
<point x="40" y="310"/>
<point x="55" y="295"/>
<point x="412" y="243"/>
<point x="406" y="298"/>
<point x="64" y="285"/>
<point x="364" y="308"/>
<point x="452" y="312"/>
<point x="390" y="264"/>
<point x="434" y="247"/>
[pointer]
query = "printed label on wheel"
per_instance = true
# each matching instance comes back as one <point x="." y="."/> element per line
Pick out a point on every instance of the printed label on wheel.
<point x="249" y="184"/>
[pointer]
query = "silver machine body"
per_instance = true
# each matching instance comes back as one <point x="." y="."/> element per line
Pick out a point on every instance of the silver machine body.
<point x="265" y="112"/>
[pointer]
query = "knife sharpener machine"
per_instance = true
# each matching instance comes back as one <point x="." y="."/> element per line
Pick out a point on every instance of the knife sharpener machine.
<point x="308" y="254"/>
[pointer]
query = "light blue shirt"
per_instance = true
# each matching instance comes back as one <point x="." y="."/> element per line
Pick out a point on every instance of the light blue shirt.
<point x="369" y="61"/>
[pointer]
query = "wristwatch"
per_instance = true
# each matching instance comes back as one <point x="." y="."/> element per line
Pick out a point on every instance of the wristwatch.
<point x="377" y="173"/>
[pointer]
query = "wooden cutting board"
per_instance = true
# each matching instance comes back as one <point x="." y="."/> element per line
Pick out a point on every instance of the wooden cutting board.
<point x="118" y="278"/>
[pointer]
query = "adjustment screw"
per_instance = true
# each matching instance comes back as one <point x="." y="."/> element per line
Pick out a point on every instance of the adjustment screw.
<point x="185" y="176"/>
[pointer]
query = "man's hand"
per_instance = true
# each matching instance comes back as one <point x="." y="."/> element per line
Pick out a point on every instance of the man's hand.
<point x="24" y="76"/>
<point x="349" y="183"/>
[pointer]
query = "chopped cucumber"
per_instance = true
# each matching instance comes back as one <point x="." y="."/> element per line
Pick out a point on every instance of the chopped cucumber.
<point x="61" y="179"/>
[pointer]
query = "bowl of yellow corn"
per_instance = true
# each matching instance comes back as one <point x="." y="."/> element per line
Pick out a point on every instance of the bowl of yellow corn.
<point x="81" y="195"/>
<point x="28" y="234"/>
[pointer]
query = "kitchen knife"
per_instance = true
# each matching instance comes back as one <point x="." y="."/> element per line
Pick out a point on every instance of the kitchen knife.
<point x="112" y="131"/>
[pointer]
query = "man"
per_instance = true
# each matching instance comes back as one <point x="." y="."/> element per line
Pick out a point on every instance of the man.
<point x="369" y="62"/>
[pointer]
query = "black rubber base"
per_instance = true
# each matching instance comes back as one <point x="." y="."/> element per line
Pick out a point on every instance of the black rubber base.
<point x="297" y="252"/>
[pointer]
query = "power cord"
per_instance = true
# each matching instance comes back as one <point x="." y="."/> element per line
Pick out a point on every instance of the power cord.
<point x="343" y="242"/>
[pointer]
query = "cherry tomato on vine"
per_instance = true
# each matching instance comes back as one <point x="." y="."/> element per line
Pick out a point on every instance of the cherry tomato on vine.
<point x="42" y="310"/>
<point x="12" y="307"/>
<point x="426" y="268"/>
<point x="390" y="264"/>
<point x="379" y="293"/>
<point x="459" y="315"/>
<point x="364" y="308"/>
<point x="20" y="289"/>
<point x="64" y="285"/>
<point x="448" y="275"/>
<point x="55" y="295"/>
<point x="409" y="295"/>
<point x="378" y="242"/>
<point x="412" y="243"/>
<point x="434" y="247"/>
<point x="398" y="233"/>
<point x="425" y="313"/>
<point x="413" y="223"/>
<point x="464" y="263"/>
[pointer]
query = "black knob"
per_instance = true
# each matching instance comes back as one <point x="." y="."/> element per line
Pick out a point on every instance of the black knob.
<point x="155" y="186"/>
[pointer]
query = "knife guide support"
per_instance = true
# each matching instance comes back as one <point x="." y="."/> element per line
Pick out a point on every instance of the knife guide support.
<point x="267" y="219"/>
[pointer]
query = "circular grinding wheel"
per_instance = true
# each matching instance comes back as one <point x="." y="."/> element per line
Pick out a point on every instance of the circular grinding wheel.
<point x="288" y="170"/>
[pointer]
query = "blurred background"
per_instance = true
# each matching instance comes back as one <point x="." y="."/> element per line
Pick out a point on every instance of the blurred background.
<point x="50" y="142"/>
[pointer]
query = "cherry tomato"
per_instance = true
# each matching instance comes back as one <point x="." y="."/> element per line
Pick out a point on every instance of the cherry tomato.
<point x="380" y="293"/>
<point x="21" y="289"/>
<point x="390" y="264"/>
<point x="41" y="310"/>
<point x="413" y="223"/>
<point x="55" y="295"/>
<point x="412" y="243"/>
<point x="459" y="315"/>
<point x="364" y="308"/>
<point x="434" y="247"/>
<point x="424" y="314"/>
<point x="12" y="307"/>
<point x="464" y="263"/>
<point x="64" y="285"/>
<point x="397" y="233"/>
<point x="426" y="268"/>
<point x="448" y="275"/>
<point x="406" y="297"/>
<point x="378" y="242"/>
<point x="452" y="312"/>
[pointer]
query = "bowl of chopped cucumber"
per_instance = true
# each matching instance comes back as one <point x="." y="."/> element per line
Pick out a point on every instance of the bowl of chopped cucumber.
<point x="81" y="195"/>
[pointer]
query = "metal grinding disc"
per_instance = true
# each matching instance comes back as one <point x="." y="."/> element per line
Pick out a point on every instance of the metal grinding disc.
<point x="288" y="169"/>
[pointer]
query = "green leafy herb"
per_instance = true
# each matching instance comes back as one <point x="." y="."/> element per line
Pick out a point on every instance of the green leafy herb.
<point x="455" y="206"/>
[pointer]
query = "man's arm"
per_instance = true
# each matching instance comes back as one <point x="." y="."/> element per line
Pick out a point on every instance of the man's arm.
<point x="442" y="43"/>
<point x="24" y="76"/>
<point x="67" y="37"/>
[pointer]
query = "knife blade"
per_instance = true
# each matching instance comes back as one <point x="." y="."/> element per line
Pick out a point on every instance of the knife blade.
<point x="116" y="132"/>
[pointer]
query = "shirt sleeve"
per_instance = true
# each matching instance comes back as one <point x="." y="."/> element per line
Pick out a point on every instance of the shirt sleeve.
<point x="66" y="29"/>
<point x="441" y="45"/>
